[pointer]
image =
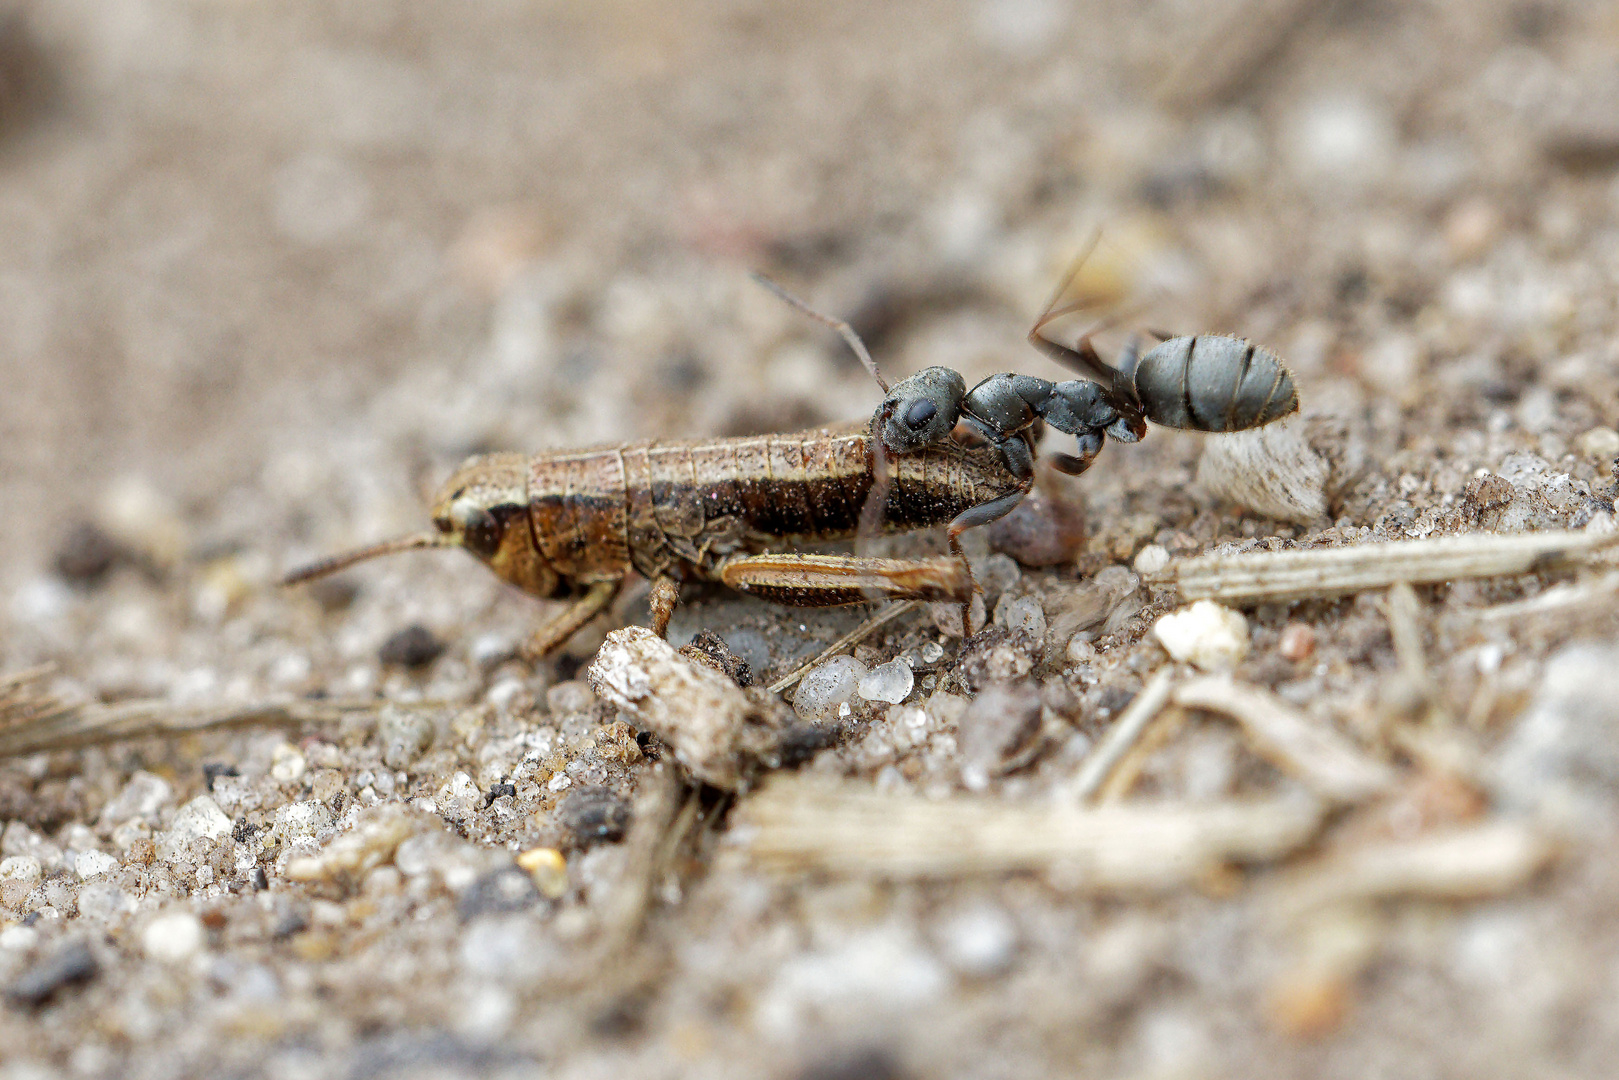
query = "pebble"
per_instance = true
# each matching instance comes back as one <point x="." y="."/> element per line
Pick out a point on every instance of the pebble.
<point x="86" y="554"/>
<point x="199" y="819"/>
<point x="501" y="890"/>
<point x="1021" y="615"/>
<point x="172" y="937"/>
<point x="413" y="647"/>
<point x="1601" y="443"/>
<point x="90" y="864"/>
<point x="978" y="942"/>
<point x="404" y="734"/>
<point x="141" y="797"/>
<point x="1564" y="753"/>
<point x="891" y="682"/>
<point x="569" y="697"/>
<point x="1151" y="559"/>
<point x="377" y="834"/>
<point x="824" y="694"/>
<point x="287" y="765"/>
<point x="1297" y="642"/>
<point x="997" y="723"/>
<point x="72" y="963"/>
<point x="1207" y="635"/>
<point x="1272" y="470"/>
<point x="24" y="869"/>
<point x="548" y="869"/>
<point x="594" y="815"/>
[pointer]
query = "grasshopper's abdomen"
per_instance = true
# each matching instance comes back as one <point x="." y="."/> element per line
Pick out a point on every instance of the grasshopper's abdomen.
<point x="679" y="508"/>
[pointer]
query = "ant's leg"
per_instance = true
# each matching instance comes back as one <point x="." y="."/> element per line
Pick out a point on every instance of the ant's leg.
<point x="882" y="482"/>
<point x="1090" y="444"/>
<point x="554" y="633"/>
<point x="836" y="580"/>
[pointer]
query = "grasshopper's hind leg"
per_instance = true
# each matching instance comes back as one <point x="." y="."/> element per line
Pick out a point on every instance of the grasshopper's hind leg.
<point x="836" y="580"/>
<point x="552" y="635"/>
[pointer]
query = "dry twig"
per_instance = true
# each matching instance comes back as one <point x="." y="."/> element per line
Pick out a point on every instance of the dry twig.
<point x="796" y="824"/>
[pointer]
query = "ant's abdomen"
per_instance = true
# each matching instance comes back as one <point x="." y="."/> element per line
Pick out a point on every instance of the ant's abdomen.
<point x="1210" y="382"/>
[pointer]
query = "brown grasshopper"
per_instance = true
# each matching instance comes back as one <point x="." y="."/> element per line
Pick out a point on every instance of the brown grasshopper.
<point x="573" y="524"/>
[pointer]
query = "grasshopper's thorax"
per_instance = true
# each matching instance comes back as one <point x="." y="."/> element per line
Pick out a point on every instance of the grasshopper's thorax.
<point x="484" y="508"/>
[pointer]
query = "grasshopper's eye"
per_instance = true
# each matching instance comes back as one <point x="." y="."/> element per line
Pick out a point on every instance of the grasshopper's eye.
<point x="918" y="415"/>
<point x="480" y="532"/>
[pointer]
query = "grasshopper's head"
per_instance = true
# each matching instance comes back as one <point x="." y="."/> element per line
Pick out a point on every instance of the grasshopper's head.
<point x="483" y="508"/>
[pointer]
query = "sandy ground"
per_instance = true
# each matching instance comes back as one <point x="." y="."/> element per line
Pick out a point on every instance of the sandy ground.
<point x="269" y="272"/>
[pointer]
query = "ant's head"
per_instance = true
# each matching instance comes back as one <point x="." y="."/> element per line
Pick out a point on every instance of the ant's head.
<point x="922" y="410"/>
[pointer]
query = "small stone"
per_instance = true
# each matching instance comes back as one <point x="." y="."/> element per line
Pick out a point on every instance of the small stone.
<point x="823" y="694"/>
<point x="90" y="864"/>
<point x="978" y="942"/>
<point x="376" y="835"/>
<point x="1021" y="615"/>
<point x="142" y="797"/>
<point x="172" y="937"/>
<point x="1601" y="443"/>
<point x="891" y="682"/>
<point x="413" y="647"/>
<point x="23" y="869"/>
<point x="86" y="554"/>
<point x="594" y="815"/>
<point x="404" y="734"/>
<point x="287" y="765"/>
<point x="1151" y="559"/>
<point x="1207" y="635"/>
<point x="502" y="890"/>
<point x="199" y="819"/>
<point x="1297" y="642"/>
<point x="569" y="697"/>
<point x="548" y="869"/>
<point x="998" y="723"/>
<point x="72" y="963"/>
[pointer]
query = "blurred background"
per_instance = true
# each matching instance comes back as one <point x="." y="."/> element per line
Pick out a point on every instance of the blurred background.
<point x="268" y="271"/>
<point x="271" y="270"/>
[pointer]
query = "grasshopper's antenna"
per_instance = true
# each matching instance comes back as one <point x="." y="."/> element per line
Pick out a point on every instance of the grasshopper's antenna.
<point x="332" y="564"/>
<point x="855" y="344"/>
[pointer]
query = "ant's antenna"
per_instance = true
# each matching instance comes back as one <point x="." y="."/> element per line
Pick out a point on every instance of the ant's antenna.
<point x="855" y="344"/>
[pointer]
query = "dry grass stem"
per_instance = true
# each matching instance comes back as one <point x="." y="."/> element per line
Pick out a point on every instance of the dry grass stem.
<point x="1112" y="746"/>
<point x="1317" y="756"/>
<point x="1279" y="576"/>
<point x="798" y="825"/>
<point x="1465" y="863"/>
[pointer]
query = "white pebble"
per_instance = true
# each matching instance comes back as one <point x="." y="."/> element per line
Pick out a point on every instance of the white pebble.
<point x="198" y="819"/>
<point x="172" y="937"/>
<point x="890" y="682"/>
<point x="1599" y="442"/>
<point x="1151" y="559"/>
<point x="979" y="941"/>
<point x="93" y="863"/>
<point x="1021" y="615"/>
<point x="23" y="868"/>
<point x="286" y="764"/>
<point x="1207" y="635"/>
<point x="140" y="798"/>
<point x="823" y="695"/>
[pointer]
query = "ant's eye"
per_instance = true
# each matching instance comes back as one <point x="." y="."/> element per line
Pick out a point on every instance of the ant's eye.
<point x="919" y="414"/>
